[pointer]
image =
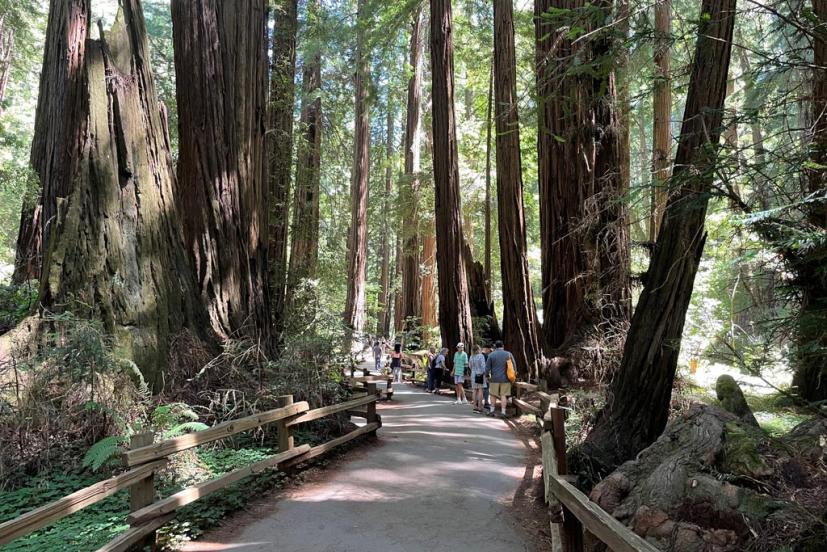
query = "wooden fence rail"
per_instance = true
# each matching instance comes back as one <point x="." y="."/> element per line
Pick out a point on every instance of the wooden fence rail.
<point x="145" y="458"/>
<point x="572" y="511"/>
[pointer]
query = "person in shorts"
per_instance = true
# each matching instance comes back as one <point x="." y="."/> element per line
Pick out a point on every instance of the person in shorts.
<point x="478" y="378"/>
<point x="396" y="363"/>
<point x="460" y="363"/>
<point x="496" y="369"/>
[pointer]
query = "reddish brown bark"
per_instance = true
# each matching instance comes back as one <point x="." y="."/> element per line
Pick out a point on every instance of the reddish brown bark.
<point x="28" y="259"/>
<point x="384" y="318"/>
<point x="222" y="187"/>
<point x="454" y="309"/>
<point x="641" y="391"/>
<point x="410" y="196"/>
<point x="565" y="170"/>
<point x="304" y="243"/>
<point x="59" y="119"/>
<point x="358" y="239"/>
<point x="611" y="171"/>
<point x="662" y="102"/>
<point x="520" y="325"/>
<point x="280" y="152"/>
<point x="429" y="314"/>
<point x="116" y="250"/>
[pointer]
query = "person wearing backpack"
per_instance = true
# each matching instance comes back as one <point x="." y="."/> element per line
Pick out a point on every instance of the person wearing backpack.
<point x="500" y="368"/>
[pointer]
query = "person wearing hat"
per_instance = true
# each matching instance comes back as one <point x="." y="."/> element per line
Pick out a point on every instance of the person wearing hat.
<point x="460" y="362"/>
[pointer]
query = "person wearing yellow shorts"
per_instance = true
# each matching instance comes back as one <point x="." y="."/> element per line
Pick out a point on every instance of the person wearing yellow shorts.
<point x="496" y="368"/>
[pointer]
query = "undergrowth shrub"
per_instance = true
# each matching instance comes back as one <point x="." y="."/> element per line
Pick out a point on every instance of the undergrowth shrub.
<point x="72" y="393"/>
<point x="16" y="302"/>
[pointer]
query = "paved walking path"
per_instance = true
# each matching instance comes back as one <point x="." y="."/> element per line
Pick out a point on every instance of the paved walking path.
<point x="439" y="478"/>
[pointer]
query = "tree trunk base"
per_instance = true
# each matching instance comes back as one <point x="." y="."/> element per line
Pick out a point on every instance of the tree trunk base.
<point x="714" y="483"/>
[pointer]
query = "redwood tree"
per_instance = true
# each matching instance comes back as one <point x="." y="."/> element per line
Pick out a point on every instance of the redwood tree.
<point x="411" y="305"/>
<point x="520" y="325"/>
<point x="221" y="65"/>
<point x="115" y="251"/>
<point x="611" y="165"/>
<point x="383" y="323"/>
<point x="280" y="150"/>
<point x="304" y="244"/>
<point x="641" y="392"/>
<point x="565" y="171"/>
<point x="454" y="310"/>
<point x="358" y="238"/>
<point x="662" y="125"/>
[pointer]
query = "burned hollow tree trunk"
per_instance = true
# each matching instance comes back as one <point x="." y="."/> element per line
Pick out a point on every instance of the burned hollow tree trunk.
<point x="27" y="260"/>
<point x="116" y="249"/>
<point x="641" y="391"/>
<point x="355" y="314"/>
<point x="520" y="325"/>
<point x="454" y="310"/>
<point x="410" y="188"/>
<point x="221" y="63"/>
<point x="304" y="243"/>
<point x="565" y="169"/>
<point x="280" y="152"/>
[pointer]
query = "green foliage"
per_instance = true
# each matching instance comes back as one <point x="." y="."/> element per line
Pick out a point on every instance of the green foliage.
<point x="103" y="451"/>
<point x="16" y="302"/>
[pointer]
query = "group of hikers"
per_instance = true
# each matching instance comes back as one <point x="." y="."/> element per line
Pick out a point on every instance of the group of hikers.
<point x="491" y="373"/>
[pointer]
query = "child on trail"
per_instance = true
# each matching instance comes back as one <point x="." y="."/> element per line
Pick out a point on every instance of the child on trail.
<point x="478" y="379"/>
<point x="486" y="406"/>
<point x="460" y="362"/>
<point x="396" y="363"/>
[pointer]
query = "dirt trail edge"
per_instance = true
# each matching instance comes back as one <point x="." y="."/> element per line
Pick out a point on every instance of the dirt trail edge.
<point x="439" y="478"/>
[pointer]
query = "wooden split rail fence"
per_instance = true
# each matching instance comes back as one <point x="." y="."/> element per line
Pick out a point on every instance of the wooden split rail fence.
<point x="575" y="518"/>
<point x="144" y="459"/>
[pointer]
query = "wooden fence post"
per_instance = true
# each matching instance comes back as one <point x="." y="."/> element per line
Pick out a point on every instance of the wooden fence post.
<point x="142" y="493"/>
<point x="285" y="433"/>
<point x="572" y="533"/>
<point x="371" y="406"/>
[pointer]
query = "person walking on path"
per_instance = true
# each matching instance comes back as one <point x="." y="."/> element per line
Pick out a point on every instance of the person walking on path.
<point x="478" y="378"/>
<point x="377" y="355"/>
<point x="396" y="363"/>
<point x="439" y="368"/>
<point x="496" y="367"/>
<point x="431" y="370"/>
<point x="460" y="362"/>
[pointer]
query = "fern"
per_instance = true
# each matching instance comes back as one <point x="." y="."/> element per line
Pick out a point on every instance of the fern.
<point x="103" y="451"/>
<point x="184" y="428"/>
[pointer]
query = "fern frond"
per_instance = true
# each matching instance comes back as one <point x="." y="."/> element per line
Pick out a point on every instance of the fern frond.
<point x="103" y="451"/>
<point x="184" y="428"/>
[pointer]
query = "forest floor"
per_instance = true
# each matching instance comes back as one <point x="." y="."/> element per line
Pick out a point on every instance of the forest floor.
<point x="439" y="477"/>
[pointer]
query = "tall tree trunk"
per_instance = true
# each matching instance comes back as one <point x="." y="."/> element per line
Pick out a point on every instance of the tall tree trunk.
<point x="454" y="309"/>
<point x="304" y="243"/>
<point x="383" y="324"/>
<point x="411" y="227"/>
<point x="116" y="250"/>
<point x="810" y="376"/>
<point x="489" y="120"/>
<point x="566" y="155"/>
<point x="520" y="326"/>
<point x="429" y="314"/>
<point x="221" y="65"/>
<point x="358" y="240"/>
<point x="612" y="168"/>
<point x="398" y="319"/>
<point x="641" y="391"/>
<point x="662" y="101"/>
<point x="59" y="119"/>
<point x="280" y="152"/>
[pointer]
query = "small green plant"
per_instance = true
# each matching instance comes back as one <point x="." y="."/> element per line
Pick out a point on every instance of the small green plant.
<point x="166" y="420"/>
<point x="16" y="302"/>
